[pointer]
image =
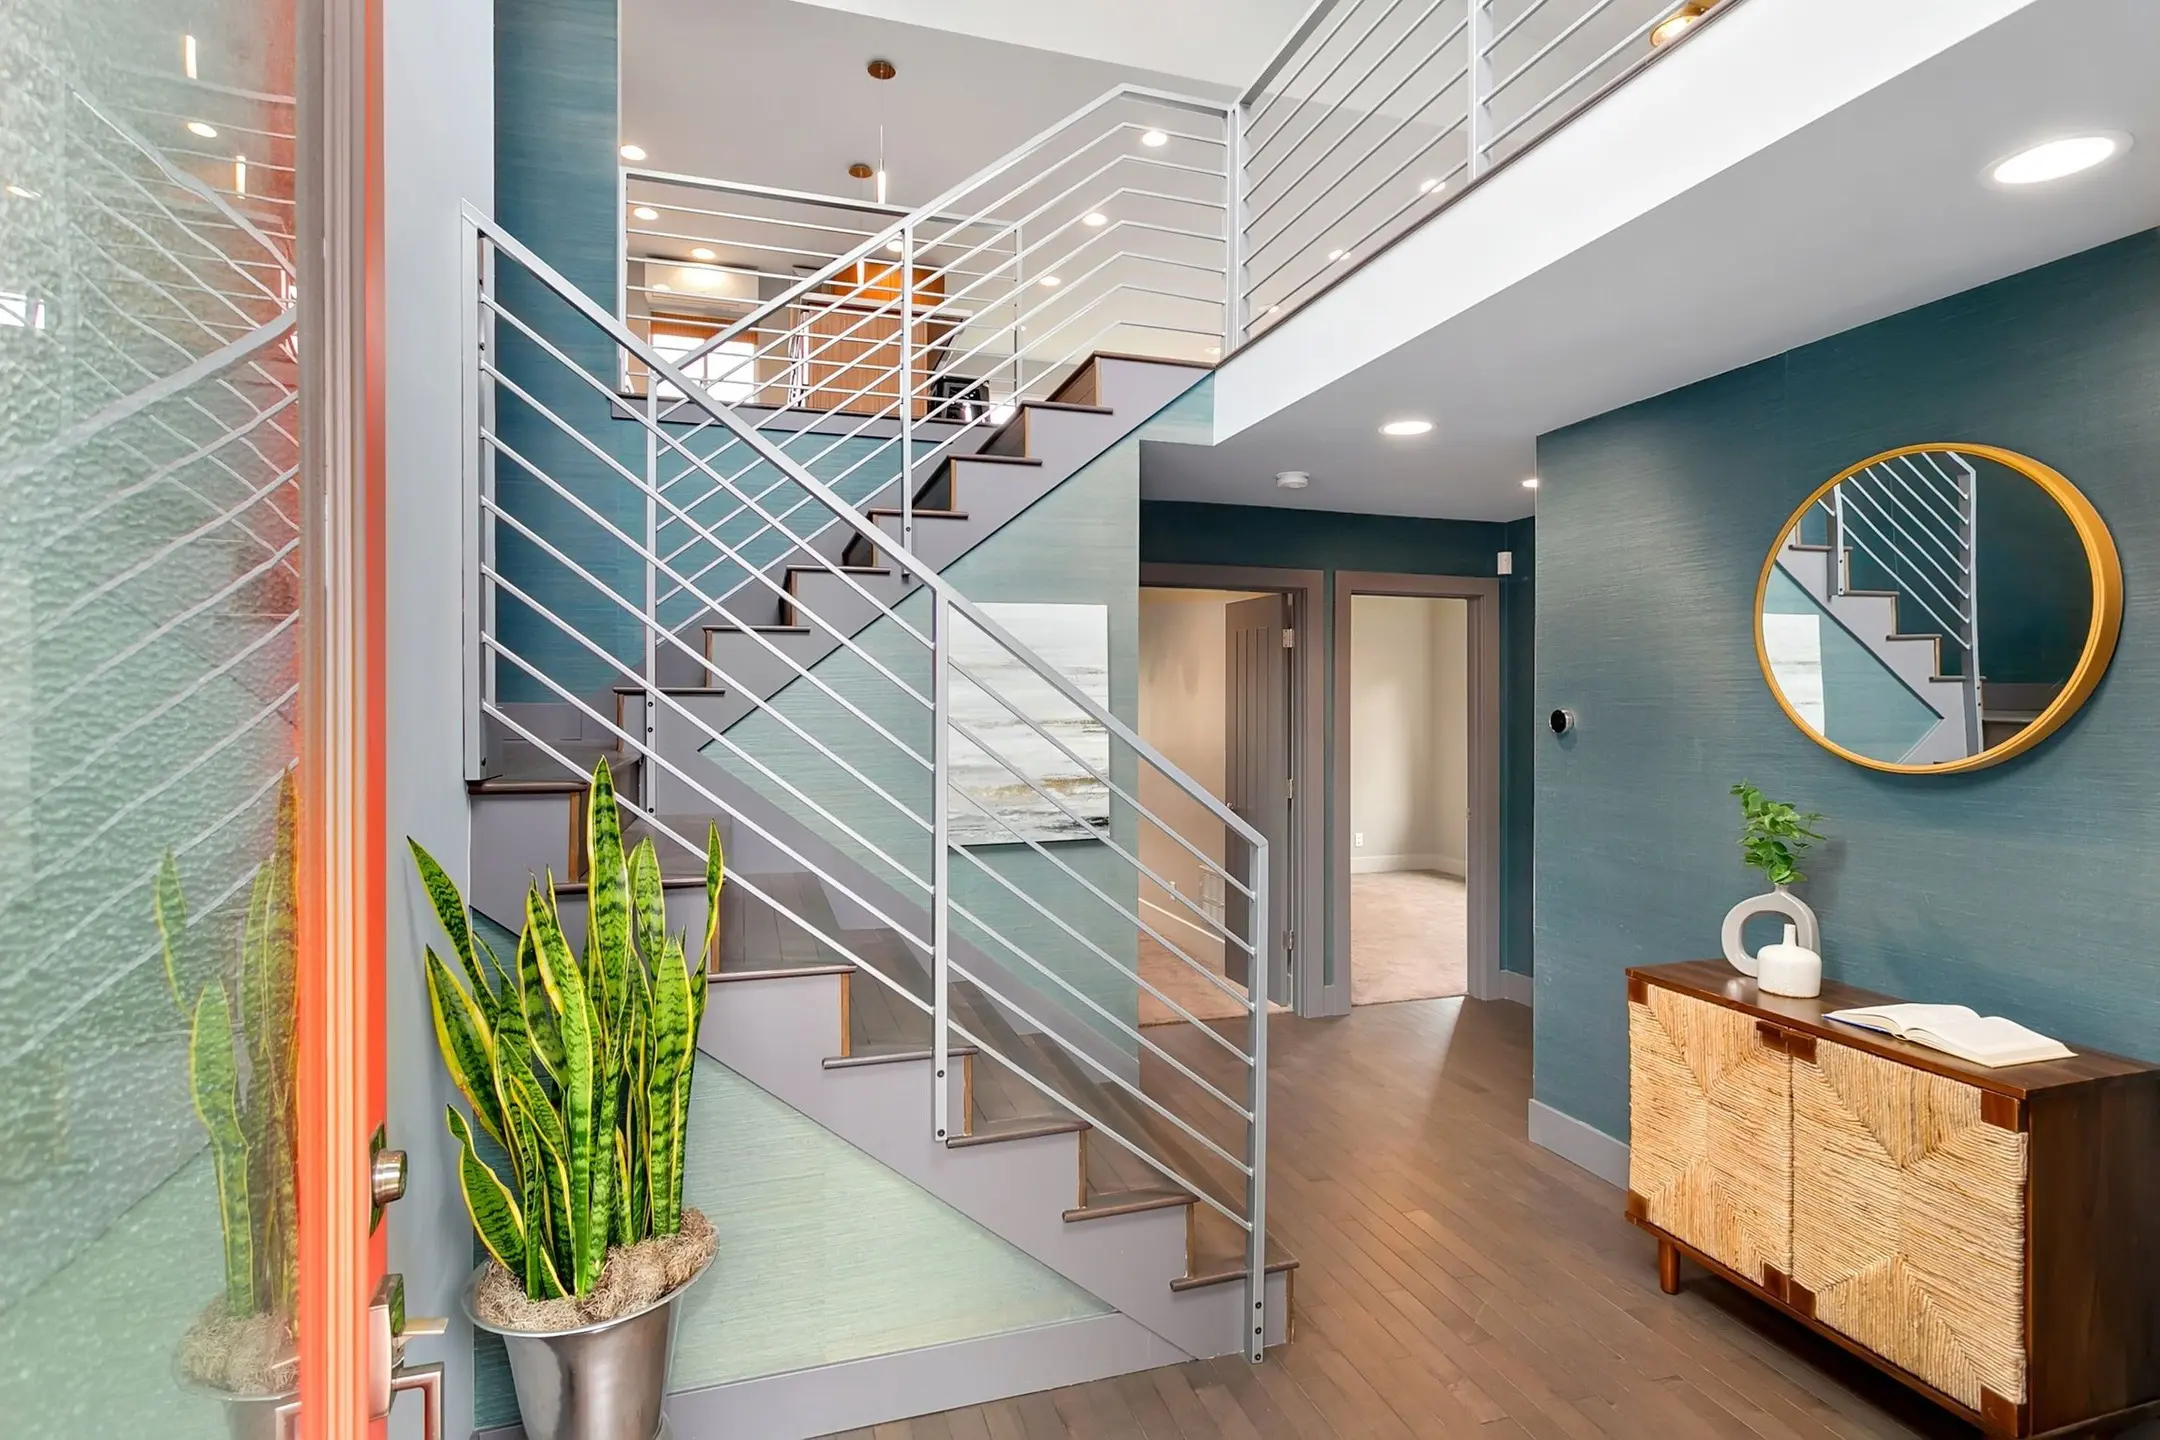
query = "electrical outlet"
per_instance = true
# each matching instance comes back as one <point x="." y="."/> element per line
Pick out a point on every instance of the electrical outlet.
<point x="1360" y="840"/>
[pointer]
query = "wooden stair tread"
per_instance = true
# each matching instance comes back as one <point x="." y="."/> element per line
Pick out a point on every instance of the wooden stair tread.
<point x="760" y="629"/>
<point x="674" y="689"/>
<point x="1221" y="1268"/>
<point x="1026" y="1127"/>
<point x="667" y="882"/>
<point x="1070" y="407"/>
<point x="534" y="773"/>
<point x="991" y="459"/>
<point x="1129" y="1202"/>
<point x="837" y="569"/>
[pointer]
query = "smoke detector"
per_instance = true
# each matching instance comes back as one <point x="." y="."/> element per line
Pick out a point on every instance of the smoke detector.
<point x="1292" y="480"/>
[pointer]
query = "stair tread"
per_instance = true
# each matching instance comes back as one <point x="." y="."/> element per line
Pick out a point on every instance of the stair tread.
<point x="1026" y="1127"/>
<point x="1212" y="1266"/>
<point x="1129" y="1202"/>
<point x="888" y="1052"/>
<point x="1068" y="406"/>
<point x="528" y="771"/>
<point x="667" y="882"/>
<point x="760" y="629"/>
<point x="674" y="689"/>
<point x="920" y="513"/>
<point x="840" y="569"/>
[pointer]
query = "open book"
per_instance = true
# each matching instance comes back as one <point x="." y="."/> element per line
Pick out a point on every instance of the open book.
<point x="1957" y="1030"/>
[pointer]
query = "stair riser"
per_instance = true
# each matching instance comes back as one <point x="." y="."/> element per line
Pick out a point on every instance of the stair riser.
<point x="768" y="1032"/>
<point x="747" y="664"/>
<point x="835" y="601"/>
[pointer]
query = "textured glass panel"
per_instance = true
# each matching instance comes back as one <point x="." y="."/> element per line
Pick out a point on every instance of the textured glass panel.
<point x="148" y="634"/>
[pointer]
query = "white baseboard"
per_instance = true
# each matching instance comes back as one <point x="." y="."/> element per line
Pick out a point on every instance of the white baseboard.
<point x="1580" y="1143"/>
<point x="1518" y="987"/>
<point x="1389" y="864"/>
<point x="857" y="1394"/>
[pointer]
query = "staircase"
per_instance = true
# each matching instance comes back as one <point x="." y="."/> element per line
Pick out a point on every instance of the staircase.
<point x="747" y="610"/>
<point x="1911" y="520"/>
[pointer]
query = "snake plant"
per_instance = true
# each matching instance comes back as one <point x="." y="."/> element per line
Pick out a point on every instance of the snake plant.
<point x="577" y="1065"/>
<point x="251" y="1125"/>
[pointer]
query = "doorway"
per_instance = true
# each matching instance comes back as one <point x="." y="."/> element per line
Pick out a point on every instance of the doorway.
<point x="1415" y="774"/>
<point x="1409" y="797"/>
<point x="1220" y="697"/>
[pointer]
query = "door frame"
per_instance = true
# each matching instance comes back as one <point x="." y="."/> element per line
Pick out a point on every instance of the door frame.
<point x="1483" y="918"/>
<point x="1307" y="898"/>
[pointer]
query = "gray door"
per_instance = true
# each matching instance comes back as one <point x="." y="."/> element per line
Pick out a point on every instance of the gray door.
<point x="1256" y="776"/>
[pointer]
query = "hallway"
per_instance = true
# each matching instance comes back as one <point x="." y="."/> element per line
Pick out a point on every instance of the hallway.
<point x="1458" y="1281"/>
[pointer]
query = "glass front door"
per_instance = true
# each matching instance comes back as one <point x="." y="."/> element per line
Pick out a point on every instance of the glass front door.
<point x="180" y="853"/>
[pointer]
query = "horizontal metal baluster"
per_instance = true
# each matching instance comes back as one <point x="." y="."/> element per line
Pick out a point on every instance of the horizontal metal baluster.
<point x="1947" y="499"/>
<point x="666" y="701"/>
<point x="1268" y="141"/>
<point x="1080" y="1053"/>
<point x="1629" y="41"/>
<point x="1859" y="539"/>
<point x="802" y="672"/>
<point x="1321" y="268"/>
<point x="744" y="883"/>
<point x="1896" y="489"/>
<point x="1235" y="992"/>
<point x="1913" y="549"/>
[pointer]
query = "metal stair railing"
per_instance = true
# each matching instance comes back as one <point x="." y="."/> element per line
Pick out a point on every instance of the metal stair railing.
<point x="849" y="771"/>
<point x="1916" y="518"/>
<point x="1108" y="229"/>
<point x="1374" y="115"/>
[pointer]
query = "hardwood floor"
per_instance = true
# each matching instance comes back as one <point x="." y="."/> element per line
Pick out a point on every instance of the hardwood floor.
<point x="1458" y="1281"/>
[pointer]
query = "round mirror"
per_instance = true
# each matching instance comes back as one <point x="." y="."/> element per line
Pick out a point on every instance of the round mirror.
<point x="1938" y="608"/>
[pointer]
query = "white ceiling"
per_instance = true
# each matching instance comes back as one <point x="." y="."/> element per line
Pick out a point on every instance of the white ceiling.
<point x="1870" y="210"/>
<point x="1224" y="42"/>
<point x="774" y="92"/>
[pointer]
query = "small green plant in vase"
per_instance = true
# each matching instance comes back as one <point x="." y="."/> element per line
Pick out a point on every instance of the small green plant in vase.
<point x="577" y="1066"/>
<point x="1774" y="837"/>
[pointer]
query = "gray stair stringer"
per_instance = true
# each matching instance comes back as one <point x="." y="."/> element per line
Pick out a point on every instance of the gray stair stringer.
<point x="771" y="1032"/>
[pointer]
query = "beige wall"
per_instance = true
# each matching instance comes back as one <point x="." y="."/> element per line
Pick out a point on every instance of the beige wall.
<point x="1181" y="714"/>
<point x="1409" y="717"/>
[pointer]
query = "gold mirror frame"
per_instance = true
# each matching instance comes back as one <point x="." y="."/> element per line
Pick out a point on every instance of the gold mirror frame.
<point x="2102" y="564"/>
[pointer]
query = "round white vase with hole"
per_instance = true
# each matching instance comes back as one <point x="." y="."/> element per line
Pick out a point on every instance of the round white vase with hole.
<point x="1780" y="902"/>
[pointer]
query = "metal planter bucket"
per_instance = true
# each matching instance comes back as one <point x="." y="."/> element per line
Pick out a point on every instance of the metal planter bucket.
<point x="604" y="1381"/>
<point x="255" y="1417"/>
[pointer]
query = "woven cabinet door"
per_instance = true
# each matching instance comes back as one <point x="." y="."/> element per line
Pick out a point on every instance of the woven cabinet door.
<point x="1710" y="1156"/>
<point x="1909" y="1220"/>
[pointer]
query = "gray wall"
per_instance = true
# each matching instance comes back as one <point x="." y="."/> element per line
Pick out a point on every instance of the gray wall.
<point x="2019" y="890"/>
<point x="438" y="154"/>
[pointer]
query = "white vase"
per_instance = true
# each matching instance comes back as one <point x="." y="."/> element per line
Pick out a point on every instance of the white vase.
<point x="1780" y="901"/>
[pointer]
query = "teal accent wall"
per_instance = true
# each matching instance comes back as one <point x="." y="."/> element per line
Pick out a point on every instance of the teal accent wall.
<point x="2017" y="890"/>
<point x="1182" y="533"/>
<point x="556" y="179"/>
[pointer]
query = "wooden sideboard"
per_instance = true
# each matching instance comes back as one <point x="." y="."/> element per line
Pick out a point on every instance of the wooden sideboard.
<point x="1990" y="1238"/>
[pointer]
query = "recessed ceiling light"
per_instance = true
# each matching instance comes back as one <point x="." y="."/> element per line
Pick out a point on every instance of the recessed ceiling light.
<point x="1050" y="282"/>
<point x="1271" y="309"/>
<point x="701" y="253"/>
<point x="646" y="212"/>
<point x="662" y="285"/>
<point x="1406" y="427"/>
<point x="1530" y="484"/>
<point x="1682" y="20"/>
<point x="894" y="246"/>
<point x="1428" y="186"/>
<point x="1154" y="137"/>
<point x="187" y="57"/>
<point x="21" y="192"/>
<point x="2057" y="158"/>
<point x="633" y="153"/>
<point x="701" y="279"/>
<point x="1334" y="255"/>
<point x="1292" y="480"/>
<point x="203" y="128"/>
<point x="1094" y="217"/>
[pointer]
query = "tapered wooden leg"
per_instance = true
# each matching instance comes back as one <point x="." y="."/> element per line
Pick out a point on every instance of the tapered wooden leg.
<point x="1668" y="1267"/>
